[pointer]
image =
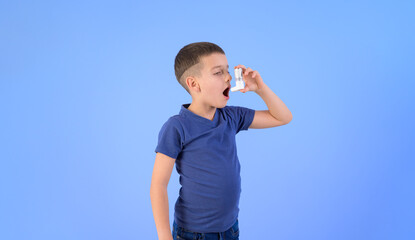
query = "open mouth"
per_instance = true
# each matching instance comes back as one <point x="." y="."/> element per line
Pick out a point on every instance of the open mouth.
<point x="226" y="92"/>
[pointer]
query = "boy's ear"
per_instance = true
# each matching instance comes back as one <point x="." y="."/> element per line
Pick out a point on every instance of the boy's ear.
<point x="192" y="84"/>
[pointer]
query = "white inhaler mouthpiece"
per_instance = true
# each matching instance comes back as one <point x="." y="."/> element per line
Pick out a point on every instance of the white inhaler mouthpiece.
<point x="238" y="80"/>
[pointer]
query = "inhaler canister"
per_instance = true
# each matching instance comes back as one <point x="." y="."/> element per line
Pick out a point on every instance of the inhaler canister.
<point x="238" y="80"/>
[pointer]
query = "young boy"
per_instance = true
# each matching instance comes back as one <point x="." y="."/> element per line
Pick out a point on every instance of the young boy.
<point x="201" y="141"/>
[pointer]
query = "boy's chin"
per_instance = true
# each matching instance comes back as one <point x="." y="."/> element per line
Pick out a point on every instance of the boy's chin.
<point x="219" y="104"/>
<point x="222" y="105"/>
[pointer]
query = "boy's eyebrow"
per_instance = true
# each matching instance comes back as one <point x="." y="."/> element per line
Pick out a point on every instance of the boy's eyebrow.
<point x="219" y="66"/>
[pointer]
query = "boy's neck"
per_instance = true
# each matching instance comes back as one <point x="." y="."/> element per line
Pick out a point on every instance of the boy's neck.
<point x="202" y="110"/>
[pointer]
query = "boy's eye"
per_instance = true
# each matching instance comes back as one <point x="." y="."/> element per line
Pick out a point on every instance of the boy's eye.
<point x="220" y="72"/>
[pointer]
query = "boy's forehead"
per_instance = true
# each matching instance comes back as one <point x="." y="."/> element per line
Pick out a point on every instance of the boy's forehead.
<point x="215" y="60"/>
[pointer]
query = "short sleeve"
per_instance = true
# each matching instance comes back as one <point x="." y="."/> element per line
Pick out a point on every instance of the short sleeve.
<point x="170" y="141"/>
<point x="242" y="117"/>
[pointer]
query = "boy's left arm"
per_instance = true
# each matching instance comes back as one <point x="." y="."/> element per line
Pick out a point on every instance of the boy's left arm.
<point x="277" y="113"/>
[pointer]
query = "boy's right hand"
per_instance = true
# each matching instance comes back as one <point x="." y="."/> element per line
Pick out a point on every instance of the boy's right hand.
<point x="252" y="78"/>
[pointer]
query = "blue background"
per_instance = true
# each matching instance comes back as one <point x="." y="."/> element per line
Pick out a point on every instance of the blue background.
<point x="86" y="86"/>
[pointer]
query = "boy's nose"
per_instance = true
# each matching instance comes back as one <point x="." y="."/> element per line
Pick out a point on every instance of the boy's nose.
<point x="229" y="78"/>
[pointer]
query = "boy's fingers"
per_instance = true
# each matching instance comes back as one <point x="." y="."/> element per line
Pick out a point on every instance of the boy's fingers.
<point x="241" y="66"/>
<point x="247" y="71"/>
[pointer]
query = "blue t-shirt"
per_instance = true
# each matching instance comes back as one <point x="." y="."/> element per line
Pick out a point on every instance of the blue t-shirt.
<point x="207" y="161"/>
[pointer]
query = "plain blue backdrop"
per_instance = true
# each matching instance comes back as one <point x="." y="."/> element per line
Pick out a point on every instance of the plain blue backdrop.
<point x="85" y="87"/>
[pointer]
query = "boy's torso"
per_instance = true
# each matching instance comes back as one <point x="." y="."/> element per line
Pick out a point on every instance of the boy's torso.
<point x="209" y="171"/>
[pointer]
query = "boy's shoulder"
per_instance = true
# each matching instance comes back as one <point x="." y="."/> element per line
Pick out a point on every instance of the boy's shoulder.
<point x="230" y="112"/>
<point x="235" y="110"/>
<point x="175" y="120"/>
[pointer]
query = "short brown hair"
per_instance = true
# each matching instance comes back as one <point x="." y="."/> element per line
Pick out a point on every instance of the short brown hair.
<point x="189" y="56"/>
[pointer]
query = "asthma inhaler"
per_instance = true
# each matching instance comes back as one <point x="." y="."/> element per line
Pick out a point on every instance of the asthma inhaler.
<point x="238" y="80"/>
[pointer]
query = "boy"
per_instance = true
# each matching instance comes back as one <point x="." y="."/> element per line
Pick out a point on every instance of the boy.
<point x="201" y="141"/>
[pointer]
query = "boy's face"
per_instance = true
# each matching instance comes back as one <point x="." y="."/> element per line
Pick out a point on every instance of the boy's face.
<point x="215" y="80"/>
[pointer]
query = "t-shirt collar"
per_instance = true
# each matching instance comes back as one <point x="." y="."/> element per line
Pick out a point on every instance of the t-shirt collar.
<point x="187" y="113"/>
